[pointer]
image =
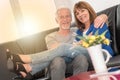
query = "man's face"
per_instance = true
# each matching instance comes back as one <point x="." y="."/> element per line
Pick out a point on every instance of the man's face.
<point x="64" y="18"/>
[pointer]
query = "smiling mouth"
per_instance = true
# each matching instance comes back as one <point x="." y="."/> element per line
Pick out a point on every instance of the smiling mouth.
<point x="65" y="22"/>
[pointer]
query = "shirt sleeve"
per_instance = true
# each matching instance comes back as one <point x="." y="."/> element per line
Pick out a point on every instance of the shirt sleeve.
<point x="50" y="40"/>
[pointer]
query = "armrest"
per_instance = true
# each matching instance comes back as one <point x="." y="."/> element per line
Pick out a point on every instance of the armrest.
<point x="114" y="61"/>
<point x="4" y="73"/>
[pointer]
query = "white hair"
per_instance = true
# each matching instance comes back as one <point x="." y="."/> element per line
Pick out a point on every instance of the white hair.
<point x="62" y="7"/>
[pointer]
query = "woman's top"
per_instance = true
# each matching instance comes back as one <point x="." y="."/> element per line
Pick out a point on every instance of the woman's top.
<point x="100" y="31"/>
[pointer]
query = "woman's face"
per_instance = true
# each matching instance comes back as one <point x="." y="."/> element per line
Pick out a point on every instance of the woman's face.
<point x="83" y="15"/>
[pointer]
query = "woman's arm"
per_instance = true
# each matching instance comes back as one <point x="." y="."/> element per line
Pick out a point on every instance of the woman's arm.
<point x="100" y="20"/>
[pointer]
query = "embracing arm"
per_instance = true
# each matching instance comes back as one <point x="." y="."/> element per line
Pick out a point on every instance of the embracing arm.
<point x="100" y="20"/>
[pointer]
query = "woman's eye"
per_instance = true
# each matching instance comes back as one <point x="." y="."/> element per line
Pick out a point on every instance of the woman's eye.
<point x="76" y="13"/>
<point x="82" y="10"/>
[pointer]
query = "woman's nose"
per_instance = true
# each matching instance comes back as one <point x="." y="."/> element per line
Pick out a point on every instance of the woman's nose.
<point x="79" y="15"/>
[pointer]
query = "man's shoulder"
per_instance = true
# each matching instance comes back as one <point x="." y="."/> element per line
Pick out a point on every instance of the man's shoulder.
<point x="51" y="34"/>
<point x="73" y="29"/>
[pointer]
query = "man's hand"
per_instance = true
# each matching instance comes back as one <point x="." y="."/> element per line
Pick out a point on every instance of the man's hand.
<point x="100" y="20"/>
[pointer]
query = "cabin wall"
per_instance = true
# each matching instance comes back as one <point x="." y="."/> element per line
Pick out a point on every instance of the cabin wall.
<point x="20" y="18"/>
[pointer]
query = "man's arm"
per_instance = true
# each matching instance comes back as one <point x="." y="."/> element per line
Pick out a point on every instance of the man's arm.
<point x="51" y="42"/>
<point x="100" y="20"/>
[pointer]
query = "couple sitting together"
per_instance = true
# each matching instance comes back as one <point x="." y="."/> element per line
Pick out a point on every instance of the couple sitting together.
<point x="62" y="55"/>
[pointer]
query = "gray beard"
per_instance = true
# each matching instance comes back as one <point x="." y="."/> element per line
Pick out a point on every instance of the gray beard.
<point x="66" y="28"/>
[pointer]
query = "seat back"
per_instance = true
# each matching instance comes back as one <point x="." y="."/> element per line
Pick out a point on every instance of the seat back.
<point x="112" y="17"/>
<point x="34" y="43"/>
<point x="118" y="26"/>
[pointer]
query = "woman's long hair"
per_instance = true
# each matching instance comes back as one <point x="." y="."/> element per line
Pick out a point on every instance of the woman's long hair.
<point x="84" y="5"/>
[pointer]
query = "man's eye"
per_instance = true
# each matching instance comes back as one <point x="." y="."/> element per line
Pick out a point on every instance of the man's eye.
<point x="61" y="17"/>
<point x="67" y="16"/>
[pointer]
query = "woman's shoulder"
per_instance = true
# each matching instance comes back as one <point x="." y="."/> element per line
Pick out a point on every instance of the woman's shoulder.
<point x="79" y="32"/>
<point x="104" y="27"/>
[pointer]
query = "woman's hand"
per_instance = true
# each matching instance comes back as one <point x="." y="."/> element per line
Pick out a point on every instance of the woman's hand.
<point x="100" y="20"/>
